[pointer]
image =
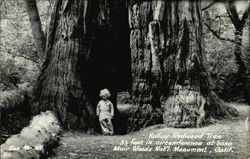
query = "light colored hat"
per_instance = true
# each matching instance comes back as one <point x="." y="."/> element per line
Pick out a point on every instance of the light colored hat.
<point x="105" y="92"/>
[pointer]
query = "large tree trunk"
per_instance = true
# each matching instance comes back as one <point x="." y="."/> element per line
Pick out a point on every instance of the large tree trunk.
<point x="88" y="43"/>
<point x="169" y="68"/>
<point x="83" y="37"/>
<point x="36" y="27"/>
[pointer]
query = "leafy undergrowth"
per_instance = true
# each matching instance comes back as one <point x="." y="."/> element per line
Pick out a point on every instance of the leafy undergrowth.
<point x="77" y="145"/>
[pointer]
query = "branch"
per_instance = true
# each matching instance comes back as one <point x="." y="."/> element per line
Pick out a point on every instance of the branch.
<point x="28" y="58"/>
<point x="210" y="5"/>
<point x="219" y="16"/>
<point x="232" y="12"/>
<point x="11" y="22"/>
<point x="217" y="35"/>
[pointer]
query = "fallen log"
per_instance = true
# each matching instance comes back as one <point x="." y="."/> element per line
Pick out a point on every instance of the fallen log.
<point x="34" y="141"/>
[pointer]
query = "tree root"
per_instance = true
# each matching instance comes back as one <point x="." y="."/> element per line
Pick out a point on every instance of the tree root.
<point x="217" y="108"/>
<point x="144" y="116"/>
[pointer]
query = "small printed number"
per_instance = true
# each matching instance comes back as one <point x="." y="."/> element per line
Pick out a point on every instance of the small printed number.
<point x="38" y="147"/>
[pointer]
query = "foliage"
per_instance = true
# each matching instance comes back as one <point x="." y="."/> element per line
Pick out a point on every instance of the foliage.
<point x="18" y="57"/>
<point x="16" y="70"/>
<point x="220" y="53"/>
<point x="14" y="97"/>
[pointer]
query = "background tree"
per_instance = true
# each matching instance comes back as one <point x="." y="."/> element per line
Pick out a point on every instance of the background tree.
<point x="17" y="47"/>
<point x="19" y="64"/>
<point x="239" y="26"/>
<point x="228" y="22"/>
<point x="36" y="27"/>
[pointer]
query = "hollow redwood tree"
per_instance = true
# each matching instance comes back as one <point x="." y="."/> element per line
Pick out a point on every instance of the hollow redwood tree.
<point x="84" y="36"/>
<point x="86" y="47"/>
<point x="171" y="82"/>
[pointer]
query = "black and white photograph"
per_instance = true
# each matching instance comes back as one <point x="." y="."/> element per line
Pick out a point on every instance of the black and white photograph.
<point x="124" y="79"/>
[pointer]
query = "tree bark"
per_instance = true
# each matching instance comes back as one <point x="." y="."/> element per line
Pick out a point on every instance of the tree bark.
<point x="238" y="53"/>
<point x="169" y="67"/>
<point x="239" y="26"/>
<point x="88" y="43"/>
<point x="36" y="27"/>
<point x="84" y="39"/>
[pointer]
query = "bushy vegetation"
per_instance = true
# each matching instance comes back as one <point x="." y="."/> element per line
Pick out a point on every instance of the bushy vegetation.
<point x="220" y="52"/>
<point x="19" y="62"/>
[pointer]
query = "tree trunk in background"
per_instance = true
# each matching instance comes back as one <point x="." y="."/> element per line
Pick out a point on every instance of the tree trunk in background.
<point x="238" y="53"/>
<point x="239" y="26"/>
<point x="84" y="39"/>
<point x="169" y="68"/>
<point x="36" y="27"/>
<point x="241" y="81"/>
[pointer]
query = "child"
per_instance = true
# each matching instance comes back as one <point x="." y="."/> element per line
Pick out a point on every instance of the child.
<point x="105" y="111"/>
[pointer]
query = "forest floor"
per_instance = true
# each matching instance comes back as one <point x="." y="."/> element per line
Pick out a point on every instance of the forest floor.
<point x="228" y="138"/>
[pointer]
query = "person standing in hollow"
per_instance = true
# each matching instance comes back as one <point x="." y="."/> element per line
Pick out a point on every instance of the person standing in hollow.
<point x="105" y="111"/>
